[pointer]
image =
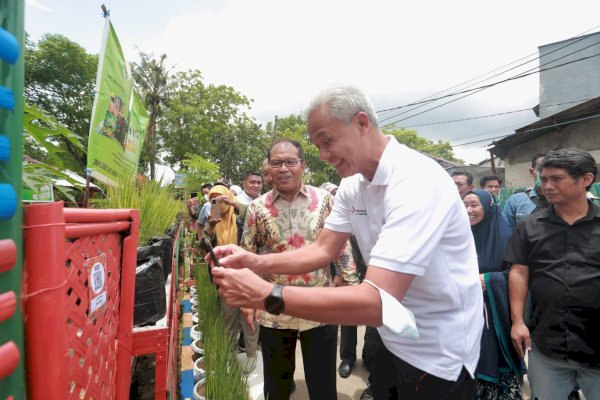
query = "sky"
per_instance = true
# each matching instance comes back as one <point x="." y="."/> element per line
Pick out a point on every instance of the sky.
<point x="280" y="53"/>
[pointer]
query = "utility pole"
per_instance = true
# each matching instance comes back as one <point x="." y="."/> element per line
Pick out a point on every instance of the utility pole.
<point x="492" y="162"/>
<point x="275" y="129"/>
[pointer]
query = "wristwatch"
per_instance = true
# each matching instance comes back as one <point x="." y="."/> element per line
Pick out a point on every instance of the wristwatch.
<point x="274" y="303"/>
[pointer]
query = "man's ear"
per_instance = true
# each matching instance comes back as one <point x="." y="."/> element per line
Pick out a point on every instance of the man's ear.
<point x="363" y="120"/>
<point x="587" y="179"/>
<point x="532" y="172"/>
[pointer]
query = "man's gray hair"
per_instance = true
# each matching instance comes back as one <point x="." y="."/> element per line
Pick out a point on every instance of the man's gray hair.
<point x="344" y="102"/>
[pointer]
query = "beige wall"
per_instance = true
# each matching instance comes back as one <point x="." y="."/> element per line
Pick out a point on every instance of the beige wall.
<point x="584" y="135"/>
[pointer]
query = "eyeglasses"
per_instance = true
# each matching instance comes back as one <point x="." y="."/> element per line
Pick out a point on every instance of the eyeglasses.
<point x="460" y="185"/>
<point x="288" y="163"/>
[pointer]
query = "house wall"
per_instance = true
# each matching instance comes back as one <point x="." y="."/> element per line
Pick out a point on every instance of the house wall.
<point x="584" y="135"/>
<point x="572" y="83"/>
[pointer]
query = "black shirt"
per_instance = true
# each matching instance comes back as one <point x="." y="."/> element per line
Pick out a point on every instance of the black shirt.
<point x="564" y="280"/>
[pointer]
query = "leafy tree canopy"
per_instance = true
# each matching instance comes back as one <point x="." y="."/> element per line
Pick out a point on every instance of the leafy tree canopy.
<point x="410" y="138"/>
<point x="60" y="78"/>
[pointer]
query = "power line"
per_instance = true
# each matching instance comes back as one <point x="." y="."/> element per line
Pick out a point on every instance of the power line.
<point x="533" y="129"/>
<point x="476" y="90"/>
<point x="424" y="101"/>
<point x="420" y="101"/>
<point x="492" y="115"/>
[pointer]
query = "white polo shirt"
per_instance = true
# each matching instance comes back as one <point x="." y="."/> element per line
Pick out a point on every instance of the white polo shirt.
<point x="411" y="219"/>
<point x="244" y="198"/>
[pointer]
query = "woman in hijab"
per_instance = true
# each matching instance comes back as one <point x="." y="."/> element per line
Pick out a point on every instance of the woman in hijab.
<point x="499" y="370"/>
<point x="223" y="230"/>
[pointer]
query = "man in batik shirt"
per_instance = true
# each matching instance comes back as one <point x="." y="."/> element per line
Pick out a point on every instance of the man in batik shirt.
<point x="286" y="218"/>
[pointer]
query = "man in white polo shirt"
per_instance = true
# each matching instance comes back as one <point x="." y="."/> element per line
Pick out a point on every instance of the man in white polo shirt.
<point x="414" y="234"/>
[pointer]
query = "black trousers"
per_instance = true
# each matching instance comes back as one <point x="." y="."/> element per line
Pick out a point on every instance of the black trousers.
<point x="348" y="343"/>
<point x="394" y="378"/>
<point x="319" y="347"/>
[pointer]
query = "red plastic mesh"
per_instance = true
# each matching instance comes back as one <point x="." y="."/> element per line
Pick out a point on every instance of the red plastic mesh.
<point x="92" y="343"/>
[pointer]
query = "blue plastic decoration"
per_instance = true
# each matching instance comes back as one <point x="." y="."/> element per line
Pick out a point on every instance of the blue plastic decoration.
<point x="8" y="201"/>
<point x="7" y="99"/>
<point x="9" y="47"/>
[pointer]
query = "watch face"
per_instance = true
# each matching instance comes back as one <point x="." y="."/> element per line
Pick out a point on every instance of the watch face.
<point x="274" y="305"/>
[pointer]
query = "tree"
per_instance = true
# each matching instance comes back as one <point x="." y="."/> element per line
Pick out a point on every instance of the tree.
<point x="151" y="77"/>
<point x="210" y="121"/>
<point x="59" y="79"/>
<point x="410" y="138"/>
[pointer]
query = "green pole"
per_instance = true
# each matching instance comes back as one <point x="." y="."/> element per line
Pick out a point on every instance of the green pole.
<point x="11" y="125"/>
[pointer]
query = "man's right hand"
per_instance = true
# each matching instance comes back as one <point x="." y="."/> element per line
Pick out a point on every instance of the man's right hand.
<point x="232" y="256"/>
<point x="519" y="333"/>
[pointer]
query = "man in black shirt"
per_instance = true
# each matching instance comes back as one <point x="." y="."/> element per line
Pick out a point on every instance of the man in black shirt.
<point x="556" y="254"/>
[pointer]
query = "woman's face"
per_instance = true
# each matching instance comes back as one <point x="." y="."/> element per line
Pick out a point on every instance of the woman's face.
<point x="474" y="208"/>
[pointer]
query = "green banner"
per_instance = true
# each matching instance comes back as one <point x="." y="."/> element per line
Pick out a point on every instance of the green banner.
<point x="119" y="119"/>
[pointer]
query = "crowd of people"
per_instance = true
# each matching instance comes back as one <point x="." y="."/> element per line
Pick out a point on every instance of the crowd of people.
<point x="460" y="297"/>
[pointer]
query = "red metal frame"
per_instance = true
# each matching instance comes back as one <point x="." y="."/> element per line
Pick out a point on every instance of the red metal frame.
<point x="163" y="342"/>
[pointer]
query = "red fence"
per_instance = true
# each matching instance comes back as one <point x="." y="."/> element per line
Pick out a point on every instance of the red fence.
<point x="80" y="286"/>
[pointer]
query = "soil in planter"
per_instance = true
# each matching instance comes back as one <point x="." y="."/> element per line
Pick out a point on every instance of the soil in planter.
<point x="201" y="391"/>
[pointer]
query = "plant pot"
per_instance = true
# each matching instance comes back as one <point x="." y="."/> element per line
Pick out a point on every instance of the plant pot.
<point x="195" y="332"/>
<point x="194" y="300"/>
<point x="198" y="348"/>
<point x="199" y="371"/>
<point x="194" y="308"/>
<point x="193" y="291"/>
<point x="195" y="318"/>
<point x="200" y="390"/>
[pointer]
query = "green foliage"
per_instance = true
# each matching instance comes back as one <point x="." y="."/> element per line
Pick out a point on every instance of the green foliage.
<point x="410" y="138"/>
<point x="151" y="78"/>
<point x="209" y="121"/>
<point x="60" y="78"/>
<point x="47" y="134"/>
<point x="36" y="175"/>
<point x="224" y="378"/>
<point x="199" y="171"/>
<point x="44" y="133"/>
<point x="157" y="205"/>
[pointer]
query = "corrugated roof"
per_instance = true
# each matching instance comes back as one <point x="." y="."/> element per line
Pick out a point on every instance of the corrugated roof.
<point x="586" y="110"/>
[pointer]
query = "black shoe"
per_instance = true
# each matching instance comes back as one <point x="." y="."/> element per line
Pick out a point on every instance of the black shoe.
<point x="345" y="369"/>
<point x="367" y="394"/>
<point x="293" y="387"/>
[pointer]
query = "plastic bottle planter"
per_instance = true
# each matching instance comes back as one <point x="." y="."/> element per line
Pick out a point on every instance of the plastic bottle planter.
<point x="200" y="390"/>
<point x="8" y="201"/>
<point x="195" y="318"/>
<point x="193" y="291"/>
<point x="9" y="47"/>
<point x="198" y="348"/>
<point x="194" y="308"/>
<point x="194" y="300"/>
<point x="195" y="332"/>
<point x="199" y="371"/>
<point x="7" y="98"/>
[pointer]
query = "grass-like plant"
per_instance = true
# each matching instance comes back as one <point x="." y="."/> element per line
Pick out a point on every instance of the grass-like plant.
<point x="224" y="377"/>
<point x="157" y="204"/>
